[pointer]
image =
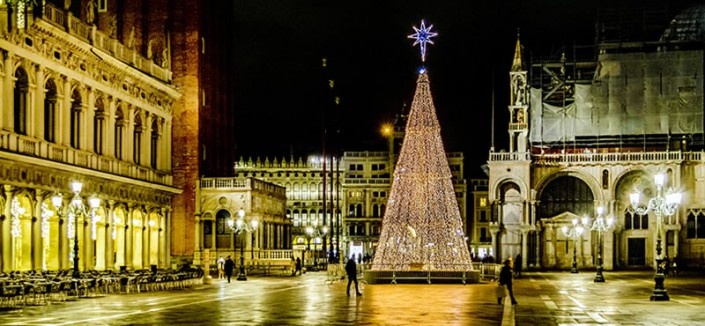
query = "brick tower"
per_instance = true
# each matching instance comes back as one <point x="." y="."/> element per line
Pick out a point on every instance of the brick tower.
<point x="193" y="39"/>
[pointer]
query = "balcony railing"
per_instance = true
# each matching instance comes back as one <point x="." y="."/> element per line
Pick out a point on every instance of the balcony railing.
<point x="597" y="158"/>
<point x="28" y="146"/>
<point x="74" y="26"/>
<point x="243" y="184"/>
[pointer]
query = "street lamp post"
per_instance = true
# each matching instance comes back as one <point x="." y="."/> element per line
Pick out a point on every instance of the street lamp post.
<point x="664" y="203"/>
<point x="600" y="225"/>
<point x="314" y="233"/>
<point x="240" y="226"/>
<point x="74" y="209"/>
<point x="574" y="232"/>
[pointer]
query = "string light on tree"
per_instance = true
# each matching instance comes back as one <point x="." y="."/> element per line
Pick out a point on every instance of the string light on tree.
<point x="422" y="228"/>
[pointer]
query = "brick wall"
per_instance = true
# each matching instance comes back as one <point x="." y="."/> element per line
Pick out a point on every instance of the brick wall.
<point x="185" y="24"/>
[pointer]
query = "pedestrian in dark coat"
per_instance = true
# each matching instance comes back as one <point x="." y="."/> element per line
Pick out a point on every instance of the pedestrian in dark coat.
<point x="298" y="266"/>
<point x="505" y="278"/>
<point x="351" y="270"/>
<point x="229" y="267"/>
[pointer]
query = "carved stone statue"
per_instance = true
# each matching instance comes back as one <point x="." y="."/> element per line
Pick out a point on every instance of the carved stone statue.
<point x="112" y="25"/>
<point x="131" y="39"/>
<point x="90" y="11"/>
<point x="67" y="5"/>
<point x="165" y="57"/>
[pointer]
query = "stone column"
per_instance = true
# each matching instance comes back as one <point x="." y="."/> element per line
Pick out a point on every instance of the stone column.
<point x="537" y="249"/>
<point x="167" y="144"/>
<point x="64" y="134"/>
<point x="85" y="242"/>
<point x="109" y="128"/>
<point x="6" y="236"/>
<point x="89" y="120"/>
<point x="167" y="238"/>
<point x="129" y="235"/>
<point x="38" y="252"/>
<point x="109" y="240"/>
<point x="524" y="248"/>
<point x="146" y="239"/>
<point x="147" y="140"/>
<point x="128" y="138"/>
<point x="550" y="251"/>
<point x="607" y="250"/>
<point x="38" y="116"/>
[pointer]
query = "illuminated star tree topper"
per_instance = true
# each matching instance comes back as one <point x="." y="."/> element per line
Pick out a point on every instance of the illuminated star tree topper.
<point x="422" y="36"/>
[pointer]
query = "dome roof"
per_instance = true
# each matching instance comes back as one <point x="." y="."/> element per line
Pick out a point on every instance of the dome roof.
<point x="687" y="26"/>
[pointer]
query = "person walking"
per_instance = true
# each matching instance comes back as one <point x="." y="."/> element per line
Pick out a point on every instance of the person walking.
<point x="517" y="266"/>
<point x="298" y="266"/>
<point x="228" y="267"/>
<point x="505" y="278"/>
<point x="351" y="270"/>
<point x="221" y="266"/>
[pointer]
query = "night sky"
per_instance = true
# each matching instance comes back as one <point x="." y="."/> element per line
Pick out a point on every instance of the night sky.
<point x="279" y="80"/>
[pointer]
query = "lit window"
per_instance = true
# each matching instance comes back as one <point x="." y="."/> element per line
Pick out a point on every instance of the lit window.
<point x="102" y="5"/>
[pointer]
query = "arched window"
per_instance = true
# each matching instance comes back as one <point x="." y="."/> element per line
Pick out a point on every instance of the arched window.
<point x="313" y="189"/>
<point x="21" y="91"/>
<point x="221" y="222"/>
<point x="304" y="216"/>
<point x="288" y="190"/>
<point x="351" y="211"/>
<point x="119" y="132"/>
<point x="98" y="126"/>
<point x="358" y="210"/>
<point x="634" y="221"/>
<point x="375" y="210"/>
<point x="297" y="190"/>
<point x="154" y="144"/>
<point x="297" y="218"/>
<point x="696" y="225"/>
<point x="383" y="208"/>
<point x="304" y="191"/>
<point x="137" y="139"/>
<point x="75" y="119"/>
<point x="50" y="112"/>
<point x="566" y="194"/>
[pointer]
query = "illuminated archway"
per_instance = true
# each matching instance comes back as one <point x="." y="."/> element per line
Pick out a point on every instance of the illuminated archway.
<point x="98" y="235"/>
<point x="21" y="232"/>
<point x="119" y="239"/>
<point x="153" y="227"/>
<point x="137" y="238"/>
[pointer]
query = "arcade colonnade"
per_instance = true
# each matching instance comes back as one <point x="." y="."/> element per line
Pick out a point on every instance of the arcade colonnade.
<point x="37" y="235"/>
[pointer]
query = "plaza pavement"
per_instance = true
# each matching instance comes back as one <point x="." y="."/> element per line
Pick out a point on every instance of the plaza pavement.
<point x="551" y="298"/>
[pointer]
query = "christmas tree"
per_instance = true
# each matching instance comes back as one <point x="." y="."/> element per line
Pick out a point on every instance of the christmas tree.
<point x="422" y="228"/>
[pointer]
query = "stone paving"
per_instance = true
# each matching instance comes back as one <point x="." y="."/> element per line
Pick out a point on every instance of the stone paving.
<point x="574" y="299"/>
<point x="302" y="300"/>
<point x="551" y="298"/>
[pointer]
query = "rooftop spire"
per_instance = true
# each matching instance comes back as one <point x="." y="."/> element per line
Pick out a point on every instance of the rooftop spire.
<point x="517" y="65"/>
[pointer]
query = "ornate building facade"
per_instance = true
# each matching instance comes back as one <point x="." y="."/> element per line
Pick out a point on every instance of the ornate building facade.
<point x="114" y="94"/>
<point x="585" y="132"/>
<point x="224" y="201"/>
<point x="78" y="105"/>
